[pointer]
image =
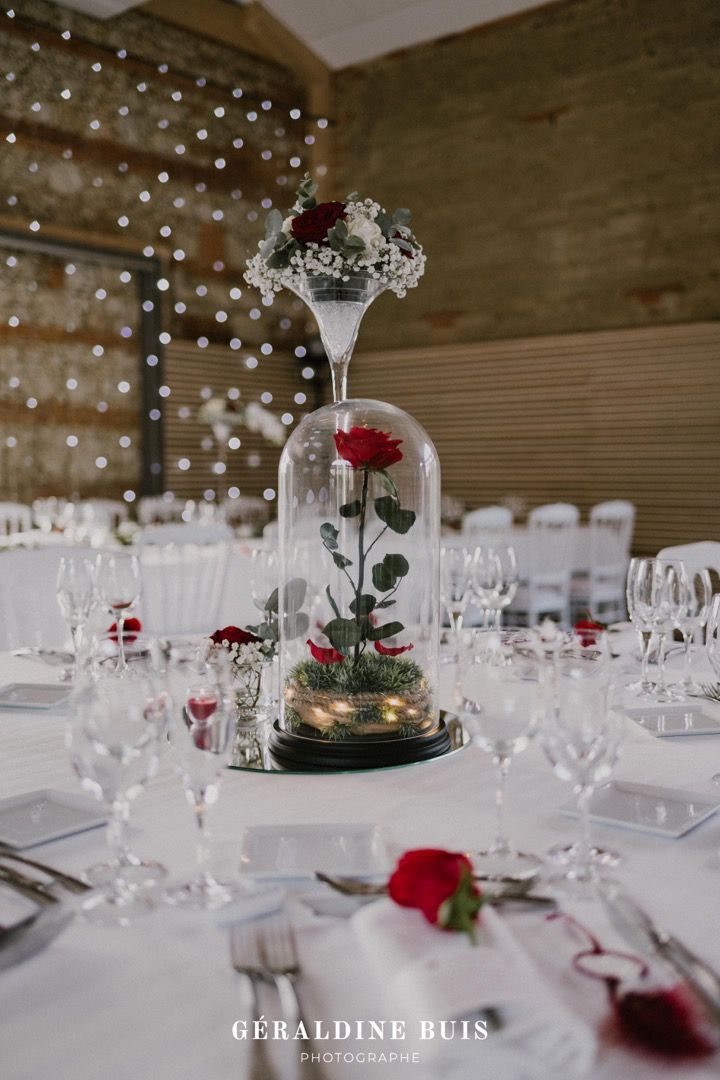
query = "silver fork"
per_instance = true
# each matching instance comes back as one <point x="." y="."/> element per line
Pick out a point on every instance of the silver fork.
<point x="279" y="954"/>
<point x="247" y="960"/>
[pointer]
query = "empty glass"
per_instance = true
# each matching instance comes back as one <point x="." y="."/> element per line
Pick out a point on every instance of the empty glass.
<point x="455" y="583"/>
<point x="502" y="693"/>
<point x="495" y="580"/>
<point x="201" y="729"/>
<point x="644" y="686"/>
<point x="660" y="596"/>
<point x="114" y="740"/>
<point x="265" y="576"/>
<point x="117" y="583"/>
<point x="580" y="734"/>
<point x="76" y="597"/>
<point x="712" y="645"/>
<point x="691" y="621"/>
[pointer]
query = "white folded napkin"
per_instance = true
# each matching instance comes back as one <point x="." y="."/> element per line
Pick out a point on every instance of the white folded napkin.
<point x="427" y="974"/>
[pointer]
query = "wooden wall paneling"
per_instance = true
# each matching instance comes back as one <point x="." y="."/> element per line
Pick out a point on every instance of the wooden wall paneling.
<point x="579" y="417"/>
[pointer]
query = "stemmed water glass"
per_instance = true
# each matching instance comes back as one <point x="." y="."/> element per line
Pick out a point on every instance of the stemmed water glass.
<point x="201" y="728"/>
<point x="264" y="576"/>
<point x="114" y="740"/>
<point x="660" y="596"/>
<point x="580" y="734"/>
<point x="495" y="579"/>
<point x="712" y="646"/>
<point x="501" y="692"/>
<point x="643" y="687"/>
<point x="690" y="621"/>
<point x="76" y="598"/>
<point x="455" y="583"/>
<point x="117" y="583"/>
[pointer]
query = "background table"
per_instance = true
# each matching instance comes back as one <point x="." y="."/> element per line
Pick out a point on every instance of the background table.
<point x="159" y="999"/>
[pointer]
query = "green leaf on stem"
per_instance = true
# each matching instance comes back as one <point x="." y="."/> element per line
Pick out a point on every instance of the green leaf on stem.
<point x="329" y="535"/>
<point x="296" y="625"/>
<point x="382" y="578"/>
<point x="389" y="484"/>
<point x="331" y="601"/>
<point x="343" y="633"/>
<point x="363" y="604"/>
<point x="397" y="565"/>
<point x="351" y="509"/>
<point x="341" y="561"/>
<point x="385" y="604"/>
<point x="379" y="633"/>
<point x="389" y="512"/>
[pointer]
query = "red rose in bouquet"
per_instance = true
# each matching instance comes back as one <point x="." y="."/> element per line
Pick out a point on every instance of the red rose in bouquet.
<point x="440" y="884"/>
<point x="131" y="629"/>
<point x="367" y="448"/>
<point x="312" y="226"/>
<point x="233" y="635"/>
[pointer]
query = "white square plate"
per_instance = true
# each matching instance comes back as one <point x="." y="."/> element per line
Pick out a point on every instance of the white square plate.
<point x="667" y="721"/>
<point x="24" y="695"/>
<point x="40" y="816"/>
<point x="663" y="811"/>
<point x="297" y="851"/>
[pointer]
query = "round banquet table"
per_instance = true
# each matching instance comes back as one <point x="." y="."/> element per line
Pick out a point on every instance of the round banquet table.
<point x="159" y="999"/>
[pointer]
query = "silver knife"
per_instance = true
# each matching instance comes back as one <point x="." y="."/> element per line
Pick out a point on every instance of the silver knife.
<point x="640" y="931"/>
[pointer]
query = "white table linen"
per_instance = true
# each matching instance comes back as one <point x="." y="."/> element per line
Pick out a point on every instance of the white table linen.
<point x="159" y="1000"/>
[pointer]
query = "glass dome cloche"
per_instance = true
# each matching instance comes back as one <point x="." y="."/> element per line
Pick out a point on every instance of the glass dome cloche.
<point x="359" y="514"/>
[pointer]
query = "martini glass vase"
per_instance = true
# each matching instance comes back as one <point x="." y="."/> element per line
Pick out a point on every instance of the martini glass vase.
<point x="338" y="305"/>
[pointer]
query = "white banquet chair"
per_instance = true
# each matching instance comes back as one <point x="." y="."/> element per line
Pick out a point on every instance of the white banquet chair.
<point x="489" y="524"/>
<point x="601" y="591"/>
<point x="14" y="518"/>
<point x="547" y="573"/>
<point x="182" y="587"/>
<point x="152" y="509"/>
<point x="703" y="555"/>
<point x="106" y="513"/>
<point x="191" y="532"/>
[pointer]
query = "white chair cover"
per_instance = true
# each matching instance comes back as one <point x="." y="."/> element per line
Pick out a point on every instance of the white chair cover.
<point x="602" y="590"/>
<point x="108" y="513"/>
<point x="704" y="555"/>
<point x="488" y="521"/>
<point x="182" y="587"/>
<point x="552" y="536"/>
<point x="157" y="508"/>
<point x="192" y="532"/>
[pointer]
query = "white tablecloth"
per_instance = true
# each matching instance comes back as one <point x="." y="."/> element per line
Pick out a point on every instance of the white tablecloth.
<point x="158" y="1000"/>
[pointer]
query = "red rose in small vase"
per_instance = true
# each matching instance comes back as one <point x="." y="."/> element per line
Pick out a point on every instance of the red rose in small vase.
<point x="368" y="448"/>
<point x="312" y="226"/>
<point x="440" y="884"/>
<point x="131" y="629"/>
<point x="233" y="635"/>
<point x="587" y="631"/>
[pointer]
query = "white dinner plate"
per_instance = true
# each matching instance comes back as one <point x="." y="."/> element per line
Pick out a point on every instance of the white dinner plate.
<point x="668" y="721"/>
<point x="297" y="851"/>
<point x="37" y="817"/>
<point x="22" y="695"/>
<point x="663" y="811"/>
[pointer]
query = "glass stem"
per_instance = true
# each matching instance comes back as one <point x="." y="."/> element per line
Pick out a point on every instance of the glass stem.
<point x="75" y="635"/>
<point x="645" y="640"/>
<point x="687" y="639"/>
<point x="660" y="685"/>
<point x="584" y="866"/>
<point x="116" y="834"/>
<point x="498" y="618"/>
<point x="502" y="765"/>
<point x="203" y="847"/>
<point x="339" y="371"/>
<point x="120" y="625"/>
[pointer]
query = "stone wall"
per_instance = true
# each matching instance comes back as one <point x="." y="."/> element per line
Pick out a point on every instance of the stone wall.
<point x="562" y="167"/>
<point x="133" y="136"/>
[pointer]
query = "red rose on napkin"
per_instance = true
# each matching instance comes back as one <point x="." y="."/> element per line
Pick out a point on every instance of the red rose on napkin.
<point x="367" y="448"/>
<point x="312" y="226"/>
<point x="131" y="629"/>
<point x="233" y="635"/>
<point x="440" y="884"/>
<point x="587" y="630"/>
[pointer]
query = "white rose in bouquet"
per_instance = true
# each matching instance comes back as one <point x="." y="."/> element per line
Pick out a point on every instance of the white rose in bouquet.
<point x="366" y="230"/>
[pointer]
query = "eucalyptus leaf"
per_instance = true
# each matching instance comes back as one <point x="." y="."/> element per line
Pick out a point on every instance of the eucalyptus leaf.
<point x="384" y="604"/>
<point x="296" y="625"/>
<point x="273" y="223"/>
<point x="363" y="604"/>
<point x="388" y="483"/>
<point x="343" y="633"/>
<point x="329" y="535"/>
<point x="341" y="561"/>
<point x="384" y="222"/>
<point x="382" y="578"/>
<point x="351" y="509"/>
<point x="402" y="216"/>
<point x="271" y="604"/>
<point x="389" y="512"/>
<point x="294" y="595"/>
<point x="397" y="565"/>
<point x="379" y="633"/>
<point x="331" y="601"/>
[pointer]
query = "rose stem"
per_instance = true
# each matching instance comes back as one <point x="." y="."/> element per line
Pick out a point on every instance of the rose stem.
<point x="361" y="554"/>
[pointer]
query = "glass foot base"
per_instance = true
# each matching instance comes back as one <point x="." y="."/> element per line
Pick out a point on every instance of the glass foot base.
<point x="578" y="886"/>
<point x="206" y="895"/>
<point x="138" y="875"/>
<point x="114" y="908"/>
<point x="505" y="865"/>
<point x="568" y="853"/>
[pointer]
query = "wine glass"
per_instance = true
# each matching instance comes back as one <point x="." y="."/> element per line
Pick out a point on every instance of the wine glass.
<point x="502" y="566"/>
<point x="117" y="583"/>
<point x="580" y="733"/>
<point x="264" y="576"/>
<point x="76" y="598"/>
<point x="201" y="729"/>
<point x="660" y="596"/>
<point x="712" y="645"/>
<point x="644" y="686"/>
<point x="691" y="620"/>
<point x="114" y="740"/>
<point x="455" y="582"/>
<point x="501" y="693"/>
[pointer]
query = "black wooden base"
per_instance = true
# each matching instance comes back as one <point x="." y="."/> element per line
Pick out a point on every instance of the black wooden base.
<point x="305" y="751"/>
